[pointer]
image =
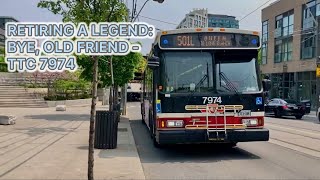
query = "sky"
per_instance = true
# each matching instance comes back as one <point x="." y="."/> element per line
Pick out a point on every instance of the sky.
<point x="171" y="11"/>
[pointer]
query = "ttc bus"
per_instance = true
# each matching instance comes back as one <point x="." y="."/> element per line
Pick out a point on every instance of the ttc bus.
<point x="203" y="86"/>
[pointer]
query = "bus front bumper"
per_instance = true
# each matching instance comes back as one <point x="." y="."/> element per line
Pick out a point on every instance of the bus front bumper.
<point x="201" y="136"/>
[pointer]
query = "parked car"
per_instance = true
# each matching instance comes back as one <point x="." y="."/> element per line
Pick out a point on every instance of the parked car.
<point x="279" y="107"/>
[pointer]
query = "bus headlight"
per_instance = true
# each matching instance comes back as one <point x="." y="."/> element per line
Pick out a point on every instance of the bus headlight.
<point x="175" y="123"/>
<point x="250" y="122"/>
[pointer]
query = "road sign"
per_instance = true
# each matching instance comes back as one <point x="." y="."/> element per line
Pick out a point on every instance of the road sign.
<point x="158" y="106"/>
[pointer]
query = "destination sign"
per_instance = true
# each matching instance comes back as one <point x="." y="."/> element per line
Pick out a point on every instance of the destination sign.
<point x="209" y="40"/>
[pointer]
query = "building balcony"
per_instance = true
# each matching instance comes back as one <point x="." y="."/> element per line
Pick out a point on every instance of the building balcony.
<point x="308" y="23"/>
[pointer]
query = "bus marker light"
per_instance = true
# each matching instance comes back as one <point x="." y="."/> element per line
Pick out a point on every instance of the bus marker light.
<point x="222" y="29"/>
<point x="255" y="33"/>
<point x="254" y="41"/>
<point x="210" y="29"/>
<point x="164" y="32"/>
<point x="198" y="29"/>
<point x="162" y="124"/>
<point x="165" y="41"/>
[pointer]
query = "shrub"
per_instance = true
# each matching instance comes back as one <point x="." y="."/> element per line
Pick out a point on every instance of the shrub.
<point x="70" y="90"/>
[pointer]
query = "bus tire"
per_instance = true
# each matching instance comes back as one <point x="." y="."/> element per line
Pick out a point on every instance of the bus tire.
<point x="231" y="145"/>
<point x="155" y="143"/>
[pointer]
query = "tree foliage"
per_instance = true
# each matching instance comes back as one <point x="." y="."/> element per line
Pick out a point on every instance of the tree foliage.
<point x="124" y="68"/>
<point x="260" y="57"/>
<point x="88" y="11"/>
<point x="2" y="51"/>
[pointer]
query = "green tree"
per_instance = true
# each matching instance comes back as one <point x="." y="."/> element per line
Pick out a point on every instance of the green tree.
<point x="88" y="11"/>
<point x="260" y="57"/>
<point x="124" y="68"/>
<point x="2" y="51"/>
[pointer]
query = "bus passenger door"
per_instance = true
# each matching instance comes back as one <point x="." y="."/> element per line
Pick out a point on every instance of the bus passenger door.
<point x="148" y="96"/>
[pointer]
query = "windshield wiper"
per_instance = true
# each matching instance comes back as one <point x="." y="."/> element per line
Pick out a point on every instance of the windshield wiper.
<point x="229" y="85"/>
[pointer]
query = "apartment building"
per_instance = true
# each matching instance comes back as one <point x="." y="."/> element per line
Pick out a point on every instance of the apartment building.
<point x="200" y="18"/>
<point x="3" y="21"/>
<point x="289" y="48"/>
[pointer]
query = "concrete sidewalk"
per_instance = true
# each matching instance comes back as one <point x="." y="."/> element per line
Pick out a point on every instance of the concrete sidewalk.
<point x="45" y="144"/>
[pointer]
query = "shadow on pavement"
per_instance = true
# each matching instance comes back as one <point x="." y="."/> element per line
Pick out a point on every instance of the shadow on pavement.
<point x="61" y="117"/>
<point x="35" y="131"/>
<point x="183" y="153"/>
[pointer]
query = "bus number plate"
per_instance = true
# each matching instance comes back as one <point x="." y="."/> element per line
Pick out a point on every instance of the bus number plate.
<point x="212" y="100"/>
<point x="245" y="113"/>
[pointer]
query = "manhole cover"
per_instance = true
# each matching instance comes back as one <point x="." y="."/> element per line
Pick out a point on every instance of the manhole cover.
<point x="122" y="129"/>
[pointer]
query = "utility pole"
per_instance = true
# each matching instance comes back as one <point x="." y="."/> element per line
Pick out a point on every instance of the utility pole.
<point x="133" y="18"/>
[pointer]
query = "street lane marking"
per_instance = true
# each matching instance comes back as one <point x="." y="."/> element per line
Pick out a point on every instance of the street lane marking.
<point x="316" y="134"/>
<point x="295" y="134"/>
<point x="296" y="147"/>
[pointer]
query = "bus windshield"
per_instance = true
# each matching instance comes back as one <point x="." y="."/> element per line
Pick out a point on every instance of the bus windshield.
<point x="193" y="71"/>
<point x="182" y="71"/>
<point x="240" y="76"/>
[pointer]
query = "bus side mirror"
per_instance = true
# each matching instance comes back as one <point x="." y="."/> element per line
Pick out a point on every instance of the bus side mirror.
<point x="153" y="62"/>
<point x="266" y="83"/>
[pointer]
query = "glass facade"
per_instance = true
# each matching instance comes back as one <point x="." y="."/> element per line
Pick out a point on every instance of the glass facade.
<point x="310" y="11"/>
<point x="4" y="20"/>
<point x="222" y="21"/>
<point x="283" y="40"/>
<point x="265" y="37"/>
<point x="294" y="86"/>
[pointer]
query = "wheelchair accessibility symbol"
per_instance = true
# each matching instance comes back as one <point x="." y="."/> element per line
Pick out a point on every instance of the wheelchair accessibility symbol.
<point x="259" y="100"/>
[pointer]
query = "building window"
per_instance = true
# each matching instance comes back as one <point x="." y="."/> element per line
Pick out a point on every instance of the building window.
<point x="307" y="47"/>
<point x="286" y="50"/>
<point x="265" y="31"/>
<point x="285" y="24"/>
<point x="264" y="53"/>
<point x="277" y="52"/>
<point x="310" y="10"/>
<point x="283" y="50"/>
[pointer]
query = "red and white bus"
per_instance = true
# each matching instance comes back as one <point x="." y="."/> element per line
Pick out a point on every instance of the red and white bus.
<point x="203" y="86"/>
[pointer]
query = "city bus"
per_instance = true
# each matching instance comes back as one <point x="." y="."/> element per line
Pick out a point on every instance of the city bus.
<point x="203" y="85"/>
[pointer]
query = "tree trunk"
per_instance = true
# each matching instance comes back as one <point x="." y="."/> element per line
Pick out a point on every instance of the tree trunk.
<point x="92" y="118"/>
<point x="111" y="99"/>
<point x="116" y="95"/>
<point x="111" y="107"/>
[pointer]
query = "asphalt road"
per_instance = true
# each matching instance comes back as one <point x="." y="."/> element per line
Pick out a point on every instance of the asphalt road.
<point x="293" y="152"/>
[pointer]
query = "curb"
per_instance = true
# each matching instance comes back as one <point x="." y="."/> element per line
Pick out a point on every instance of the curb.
<point x="132" y="141"/>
